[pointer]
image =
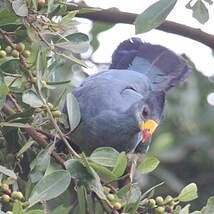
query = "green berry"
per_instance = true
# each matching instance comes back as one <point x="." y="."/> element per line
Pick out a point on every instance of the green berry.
<point x="50" y="105"/>
<point x="168" y="199"/>
<point x="5" y="198"/>
<point x="151" y="203"/>
<point x="15" y="53"/>
<point x="25" y="204"/>
<point x="17" y="195"/>
<point x="56" y="113"/>
<point x="3" y="53"/>
<point x="26" y="53"/>
<point x="44" y="84"/>
<point x="4" y="187"/>
<point x="159" y="210"/>
<point x="20" y="47"/>
<point x="110" y="197"/>
<point x="117" y="205"/>
<point x="8" y="49"/>
<point x="9" y="212"/>
<point x="34" y="80"/>
<point x="159" y="200"/>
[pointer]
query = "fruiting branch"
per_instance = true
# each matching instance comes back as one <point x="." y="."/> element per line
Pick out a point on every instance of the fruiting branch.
<point x="116" y="16"/>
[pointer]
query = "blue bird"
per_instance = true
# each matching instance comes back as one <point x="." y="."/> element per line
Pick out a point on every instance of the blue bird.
<point x="122" y="107"/>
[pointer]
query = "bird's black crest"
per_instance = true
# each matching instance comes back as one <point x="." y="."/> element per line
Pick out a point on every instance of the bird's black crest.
<point x="162" y="66"/>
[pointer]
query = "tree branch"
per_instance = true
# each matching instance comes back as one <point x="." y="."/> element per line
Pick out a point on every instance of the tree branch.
<point x="116" y="16"/>
<point x="33" y="133"/>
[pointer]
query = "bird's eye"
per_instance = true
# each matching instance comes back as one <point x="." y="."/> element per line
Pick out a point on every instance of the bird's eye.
<point x="145" y="112"/>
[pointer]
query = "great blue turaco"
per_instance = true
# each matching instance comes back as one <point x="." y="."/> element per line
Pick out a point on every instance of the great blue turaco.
<point x="122" y="107"/>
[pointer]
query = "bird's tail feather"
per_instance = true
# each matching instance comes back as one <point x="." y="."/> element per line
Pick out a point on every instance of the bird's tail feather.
<point x="162" y="66"/>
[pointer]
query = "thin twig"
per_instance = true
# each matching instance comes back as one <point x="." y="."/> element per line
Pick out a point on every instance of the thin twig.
<point x="14" y="102"/>
<point x="11" y="75"/>
<point x="33" y="133"/>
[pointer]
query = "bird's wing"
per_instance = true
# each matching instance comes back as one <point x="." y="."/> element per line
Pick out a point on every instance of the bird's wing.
<point x="163" y="67"/>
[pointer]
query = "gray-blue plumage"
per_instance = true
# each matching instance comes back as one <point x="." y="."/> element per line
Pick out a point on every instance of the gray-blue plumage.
<point x="114" y="103"/>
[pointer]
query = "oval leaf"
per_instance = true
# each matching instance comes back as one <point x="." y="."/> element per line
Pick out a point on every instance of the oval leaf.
<point x="20" y="7"/>
<point x="73" y="110"/>
<point x="188" y="193"/>
<point x="8" y="172"/>
<point x="50" y="186"/>
<point x="148" y="165"/>
<point x="153" y="16"/>
<point x="200" y="12"/>
<point x="121" y="165"/>
<point x="29" y="97"/>
<point x="105" y="156"/>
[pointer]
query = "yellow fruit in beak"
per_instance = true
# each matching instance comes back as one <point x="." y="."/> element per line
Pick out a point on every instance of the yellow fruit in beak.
<point x="148" y="129"/>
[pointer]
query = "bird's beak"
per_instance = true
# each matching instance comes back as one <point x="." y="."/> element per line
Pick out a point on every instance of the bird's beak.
<point x="148" y="129"/>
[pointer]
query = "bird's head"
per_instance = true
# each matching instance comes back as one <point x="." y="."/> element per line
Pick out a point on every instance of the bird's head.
<point x="149" y="113"/>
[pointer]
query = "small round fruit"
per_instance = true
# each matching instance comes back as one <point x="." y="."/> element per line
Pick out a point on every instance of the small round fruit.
<point x="44" y="84"/>
<point x="34" y="80"/>
<point x="159" y="210"/>
<point x="41" y="3"/>
<point x="3" y="53"/>
<point x="151" y="203"/>
<point x="56" y="113"/>
<point x="8" y="49"/>
<point x="17" y="195"/>
<point x="168" y="199"/>
<point x="159" y="200"/>
<point x="169" y="209"/>
<point x="25" y="204"/>
<point x="117" y="205"/>
<point x="20" y="47"/>
<point x="5" y="198"/>
<point x="4" y="187"/>
<point x="110" y="197"/>
<point x="50" y="105"/>
<point x="26" y="53"/>
<point x="9" y="212"/>
<point x="15" y="53"/>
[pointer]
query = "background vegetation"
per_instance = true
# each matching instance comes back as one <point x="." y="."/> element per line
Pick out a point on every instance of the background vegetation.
<point x="40" y="62"/>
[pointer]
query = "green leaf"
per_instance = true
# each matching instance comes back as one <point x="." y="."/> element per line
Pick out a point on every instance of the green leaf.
<point x="188" y="193"/>
<point x="153" y="16"/>
<point x="185" y="210"/>
<point x="17" y="208"/>
<point x="77" y="43"/>
<point x="41" y="163"/>
<point x="124" y="190"/>
<point x="73" y="110"/>
<point x="208" y="209"/>
<point x="105" y="156"/>
<point x="18" y="125"/>
<point x="61" y="209"/>
<point x="7" y="17"/>
<point x="66" y="19"/>
<point x="30" y="97"/>
<point x="78" y="171"/>
<point x="81" y="195"/>
<point x="8" y="172"/>
<point x="35" y="212"/>
<point x="50" y="186"/>
<point x="200" y="12"/>
<point x="3" y="87"/>
<point x="25" y="147"/>
<point x="148" y="165"/>
<point x="103" y="170"/>
<point x="6" y="58"/>
<point x="20" y="7"/>
<point x="121" y="165"/>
